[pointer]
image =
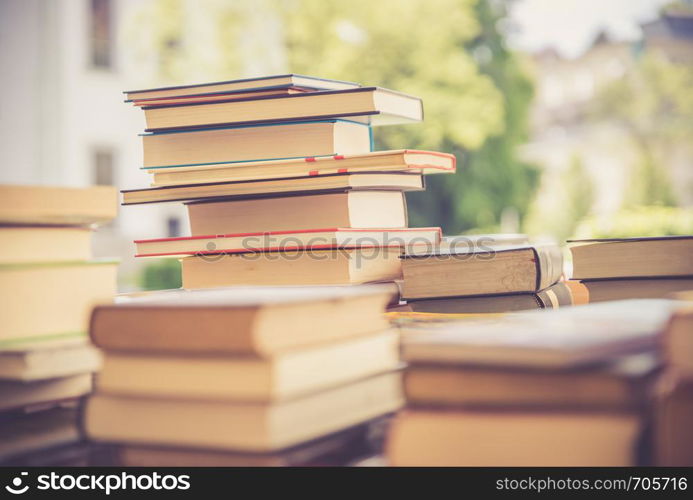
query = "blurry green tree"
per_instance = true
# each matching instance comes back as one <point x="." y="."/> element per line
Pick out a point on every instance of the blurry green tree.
<point x="450" y="53"/>
<point x="654" y="105"/>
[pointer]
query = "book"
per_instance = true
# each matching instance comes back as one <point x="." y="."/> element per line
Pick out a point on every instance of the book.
<point x="678" y="342"/>
<point x="350" y="209"/>
<point x="246" y="321"/>
<point x="319" y="184"/>
<point x="24" y="244"/>
<point x="635" y="288"/>
<point x="370" y="105"/>
<point x="406" y="160"/>
<point x="215" y="96"/>
<point x="286" y="241"/>
<point x="337" y="449"/>
<point x="244" y="85"/>
<point x="44" y="360"/>
<point x="236" y="144"/>
<point x="231" y="426"/>
<point x="37" y="432"/>
<point x="26" y="289"/>
<point x="19" y="394"/>
<point x="622" y="384"/>
<point x="344" y="266"/>
<point x="570" y="337"/>
<point x="284" y="376"/>
<point x="513" y="438"/>
<point x="673" y="411"/>
<point x="57" y="205"/>
<point x="494" y="271"/>
<point x="632" y="257"/>
<point x="555" y="296"/>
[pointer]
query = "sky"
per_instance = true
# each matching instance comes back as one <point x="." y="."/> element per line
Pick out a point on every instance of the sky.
<point x="569" y="26"/>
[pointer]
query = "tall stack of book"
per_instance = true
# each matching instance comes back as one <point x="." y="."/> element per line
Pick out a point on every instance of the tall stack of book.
<point x="633" y="268"/>
<point x="280" y="180"/>
<point x="674" y="405"/>
<point x="476" y="277"/>
<point x="559" y="388"/>
<point x="244" y="376"/>
<point x="48" y="284"/>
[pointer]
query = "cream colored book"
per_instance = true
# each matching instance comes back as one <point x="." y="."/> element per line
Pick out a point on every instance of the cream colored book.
<point x="284" y="376"/>
<point x="224" y="425"/>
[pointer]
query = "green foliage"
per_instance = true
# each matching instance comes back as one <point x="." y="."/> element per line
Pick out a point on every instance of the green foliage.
<point x="654" y="105"/>
<point x="640" y="221"/>
<point x="572" y="197"/>
<point x="476" y="107"/>
<point x="162" y="274"/>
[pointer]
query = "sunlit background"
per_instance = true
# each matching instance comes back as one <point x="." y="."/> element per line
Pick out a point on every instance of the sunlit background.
<point x="568" y="118"/>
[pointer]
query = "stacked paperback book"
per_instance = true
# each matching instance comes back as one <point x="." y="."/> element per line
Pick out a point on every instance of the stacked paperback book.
<point x="281" y="183"/>
<point x="633" y="268"/>
<point x="483" y="275"/>
<point x="48" y="286"/>
<point x="557" y="388"/>
<point x="244" y="376"/>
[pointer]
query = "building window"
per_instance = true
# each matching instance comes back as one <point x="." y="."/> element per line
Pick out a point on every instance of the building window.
<point x="100" y="33"/>
<point x="103" y="174"/>
<point x="173" y="227"/>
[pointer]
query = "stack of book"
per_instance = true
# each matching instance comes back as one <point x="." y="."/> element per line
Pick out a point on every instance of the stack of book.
<point x="48" y="284"/>
<point x="244" y="376"/>
<point x="557" y="388"/>
<point x="280" y="181"/>
<point x="674" y="406"/>
<point x="483" y="278"/>
<point x="633" y="268"/>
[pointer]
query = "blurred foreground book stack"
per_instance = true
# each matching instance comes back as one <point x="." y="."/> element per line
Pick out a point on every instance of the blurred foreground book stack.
<point x="281" y="183"/>
<point x="244" y="376"/>
<point x="570" y="387"/>
<point x="633" y="268"/>
<point x="48" y="285"/>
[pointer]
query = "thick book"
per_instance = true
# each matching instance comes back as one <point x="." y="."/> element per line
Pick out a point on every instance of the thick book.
<point x="17" y="395"/>
<point x="25" y="244"/>
<point x="493" y="271"/>
<point x="303" y="267"/>
<point x="249" y="321"/>
<point x="284" y="376"/>
<point x="553" y="297"/>
<point x="57" y="205"/>
<point x="242" y="144"/>
<point x="224" y="425"/>
<point x="288" y="241"/>
<point x="634" y="288"/>
<point x="51" y="300"/>
<point x="48" y="359"/>
<point x="632" y="257"/>
<point x="337" y="449"/>
<point x="573" y="336"/>
<point x="273" y="82"/>
<point x="514" y="438"/>
<point x="328" y="183"/>
<point x="350" y="209"/>
<point x="623" y="384"/>
<point x="369" y="105"/>
<point x="405" y="160"/>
